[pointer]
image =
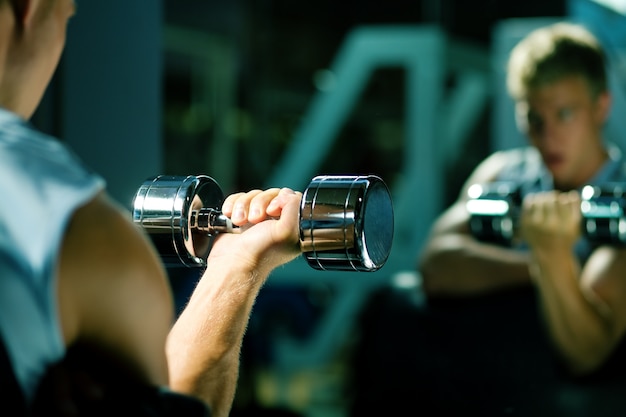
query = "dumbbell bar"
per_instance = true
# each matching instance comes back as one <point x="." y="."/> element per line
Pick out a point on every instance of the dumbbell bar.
<point x="495" y="208"/>
<point x="346" y="222"/>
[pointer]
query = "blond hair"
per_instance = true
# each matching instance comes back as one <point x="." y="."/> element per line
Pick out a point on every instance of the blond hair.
<point x="551" y="53"/>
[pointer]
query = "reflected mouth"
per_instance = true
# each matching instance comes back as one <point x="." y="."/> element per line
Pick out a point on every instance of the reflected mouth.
<point x="553" y="161"/>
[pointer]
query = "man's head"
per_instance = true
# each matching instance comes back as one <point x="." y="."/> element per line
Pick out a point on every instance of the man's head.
<point x="557" y="77"/>
<point x="32" y="38"/>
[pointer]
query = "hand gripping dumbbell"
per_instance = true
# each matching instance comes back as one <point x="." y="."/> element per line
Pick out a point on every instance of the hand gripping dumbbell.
<point x="494" y="210"/>
<point x="346" y="222"/>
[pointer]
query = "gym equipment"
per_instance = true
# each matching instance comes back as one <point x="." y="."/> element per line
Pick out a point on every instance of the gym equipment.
<point x="495" y="208"/>
<point x="346" y="222"/>
<point x="602" y="209"/>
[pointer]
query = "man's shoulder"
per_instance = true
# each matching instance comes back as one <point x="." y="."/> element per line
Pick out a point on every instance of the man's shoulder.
<point x="517" y="155"/>
<point x="510" y="159"/>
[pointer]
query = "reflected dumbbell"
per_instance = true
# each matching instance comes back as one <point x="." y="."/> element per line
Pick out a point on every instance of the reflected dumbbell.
<point x="346" y="222"/>
<point x="494" y="210"/>
<point x="603" y="210"/>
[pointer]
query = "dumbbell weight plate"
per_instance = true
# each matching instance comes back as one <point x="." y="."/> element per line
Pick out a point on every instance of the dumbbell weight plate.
<point x="602" y="209"/>
<point x="346" y="223"/>
<point x="163" y="206"/>
<point x="494" y="211"/>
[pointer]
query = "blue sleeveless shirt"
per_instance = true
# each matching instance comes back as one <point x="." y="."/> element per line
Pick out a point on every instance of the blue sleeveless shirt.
<point x="41" y="185"/>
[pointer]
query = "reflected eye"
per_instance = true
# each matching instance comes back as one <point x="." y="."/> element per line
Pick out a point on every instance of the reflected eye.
<point x="534" y="121"/>
<point x="565" y="114"/>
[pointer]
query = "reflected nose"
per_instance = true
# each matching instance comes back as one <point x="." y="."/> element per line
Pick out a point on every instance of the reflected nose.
<point x="546" y="135"/>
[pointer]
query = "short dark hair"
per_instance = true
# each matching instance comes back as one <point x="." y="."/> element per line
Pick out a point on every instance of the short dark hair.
<point x="553" y="52"/>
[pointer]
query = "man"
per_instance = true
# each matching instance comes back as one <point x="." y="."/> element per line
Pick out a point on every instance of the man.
<point x="478" y="345"/>
<point x="75" y="270"/>
<point x="557" y="77"/>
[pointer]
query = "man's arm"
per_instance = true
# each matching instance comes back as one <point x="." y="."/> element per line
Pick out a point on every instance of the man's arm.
<point x="584" y="308"/>
<point x="113" y="290"/>
<point x="454" y="263"/>
<point x="204" y="345"/>
<point x="114" y="293"/>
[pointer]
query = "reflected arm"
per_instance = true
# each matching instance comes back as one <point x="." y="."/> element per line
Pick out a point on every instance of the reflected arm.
<point x="454" y="263"/>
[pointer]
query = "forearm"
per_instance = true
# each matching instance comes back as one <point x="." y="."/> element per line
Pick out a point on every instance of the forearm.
<point x="579" y="331"/>
<point x="458" y="264"/>
<point x="204" y="355"/>
<point x="204" y="344"/>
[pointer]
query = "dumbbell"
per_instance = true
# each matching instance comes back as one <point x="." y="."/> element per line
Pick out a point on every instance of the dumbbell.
<point x="346" y="223"/>
<point x="494" y="210"/>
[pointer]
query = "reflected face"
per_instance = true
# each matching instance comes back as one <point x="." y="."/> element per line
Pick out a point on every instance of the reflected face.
<point x="564" y="122"/>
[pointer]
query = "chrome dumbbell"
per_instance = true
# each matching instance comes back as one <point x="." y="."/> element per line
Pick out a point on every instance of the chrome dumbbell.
<point x="346" y="222"/>
<point x="602" y="208"/>
<point x="494" y="210"/>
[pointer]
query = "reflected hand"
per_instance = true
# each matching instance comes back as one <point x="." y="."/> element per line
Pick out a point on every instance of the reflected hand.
<point x="551" y="220"/>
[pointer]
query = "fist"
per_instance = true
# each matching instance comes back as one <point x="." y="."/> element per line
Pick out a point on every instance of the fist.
<point x="551" y="220"/>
